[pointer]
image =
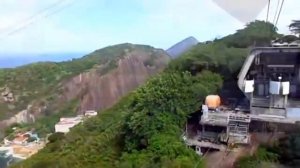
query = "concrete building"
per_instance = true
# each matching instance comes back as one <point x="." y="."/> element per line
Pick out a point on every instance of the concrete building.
<point x="65" y="124"/>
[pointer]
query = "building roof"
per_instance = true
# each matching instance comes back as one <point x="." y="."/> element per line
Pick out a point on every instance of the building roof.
<point x="69" y="120"/>
<point x="90" y="113"/>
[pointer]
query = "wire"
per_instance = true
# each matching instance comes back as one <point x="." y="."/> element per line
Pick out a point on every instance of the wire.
<point x="44" y="13"/>
<point x="276" y="12"/>
<point x="279" y="12"/>
<point x="268" y="11"/>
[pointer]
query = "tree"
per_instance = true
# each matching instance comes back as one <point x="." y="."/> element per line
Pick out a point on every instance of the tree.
<point x="56" y="137"/>
<point x="295" y="27"/>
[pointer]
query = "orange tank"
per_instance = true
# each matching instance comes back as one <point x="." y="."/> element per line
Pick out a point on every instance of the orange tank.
<point x="213" y="101"/>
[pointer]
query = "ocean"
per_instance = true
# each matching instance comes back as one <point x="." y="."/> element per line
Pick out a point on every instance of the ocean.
<point x="4" y="160"/>
<point x="15" y="60"/>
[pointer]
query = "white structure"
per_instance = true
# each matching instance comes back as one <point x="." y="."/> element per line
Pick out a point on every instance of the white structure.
<point x="285" y="88"/>
<point x="249" y="86"/>
<point x="6" y="141"/>
<point x="90" y="113"/>
<point x="274" y="88"/>
<point x="198" y="150"/>
<point x="7" y="150"/>
<point x="65" y="124"/>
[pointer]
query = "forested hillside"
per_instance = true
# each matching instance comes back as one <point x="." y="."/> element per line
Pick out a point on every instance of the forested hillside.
<point x="144" y="129"/>
<point x="40" y="80"/>
<point x="46" y="91"/>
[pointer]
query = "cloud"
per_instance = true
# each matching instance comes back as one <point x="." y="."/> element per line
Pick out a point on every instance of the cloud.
<point x="207" y="20"/>
<point x="26" y="26"/>
<point x="14" y="12"/>
<point x="161" y="24"/>
<point x="173" y="20"/>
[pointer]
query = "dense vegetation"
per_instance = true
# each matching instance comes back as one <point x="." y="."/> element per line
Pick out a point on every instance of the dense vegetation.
<point x="214" y="56"/>
<point x="288" y="149"/>
<point x="258" y="33"/>
<point x="262" y="158"/>
<point x="295" y="27"/>
<point x="145" y="128"/>
<point x="286" y="152"/>
<point x="226" y="55"/>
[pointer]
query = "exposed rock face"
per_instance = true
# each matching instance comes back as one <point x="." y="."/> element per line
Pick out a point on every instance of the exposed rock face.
<point x="7" y="95"/>
<point x="23" y="116"/>
<point x="98" y="92"/>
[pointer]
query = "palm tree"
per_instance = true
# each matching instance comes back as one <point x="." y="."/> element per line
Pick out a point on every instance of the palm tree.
<point x="295" y="27"/>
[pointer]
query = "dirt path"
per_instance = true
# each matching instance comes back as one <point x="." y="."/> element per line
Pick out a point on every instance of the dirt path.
<point x="226" y="159"/>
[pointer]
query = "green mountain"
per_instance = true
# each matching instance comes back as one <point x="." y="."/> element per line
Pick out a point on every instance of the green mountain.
<point x="52" y="89"/>
<point x="144" y="129"/>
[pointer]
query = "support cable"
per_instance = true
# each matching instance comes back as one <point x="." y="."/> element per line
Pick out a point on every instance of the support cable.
<point x="276" y="11"/>
<point x="46" y="12"/>
<point x="279" y="12"/>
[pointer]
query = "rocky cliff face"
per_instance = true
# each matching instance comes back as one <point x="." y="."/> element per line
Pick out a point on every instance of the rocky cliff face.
<point x="7" y="95"/>
<point x="23" y="116"/>
<point x="97" y="92"/>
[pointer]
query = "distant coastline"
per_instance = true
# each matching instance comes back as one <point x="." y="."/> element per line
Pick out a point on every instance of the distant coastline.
<point x="15" y="60"/>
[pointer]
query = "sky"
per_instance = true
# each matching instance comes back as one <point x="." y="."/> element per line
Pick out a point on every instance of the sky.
<point x="58" y="26"/>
